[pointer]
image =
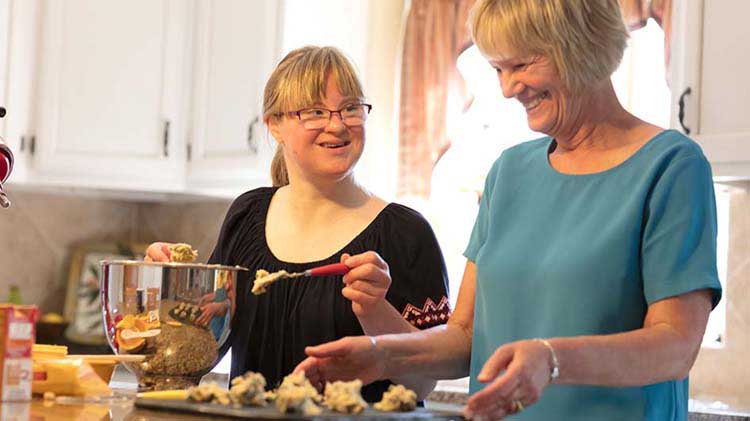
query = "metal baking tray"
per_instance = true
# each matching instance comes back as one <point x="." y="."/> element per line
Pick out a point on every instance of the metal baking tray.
<point x="271" y="413"/>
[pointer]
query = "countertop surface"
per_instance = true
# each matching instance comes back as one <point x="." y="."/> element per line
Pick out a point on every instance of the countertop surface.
<point x="121" y="407"/>
<point x="117" y="408"/>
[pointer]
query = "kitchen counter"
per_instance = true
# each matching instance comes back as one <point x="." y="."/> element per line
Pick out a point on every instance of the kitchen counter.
<point x="118" y="408"/>
<point x="121" y="406"/>
<point x="698" y="410"/>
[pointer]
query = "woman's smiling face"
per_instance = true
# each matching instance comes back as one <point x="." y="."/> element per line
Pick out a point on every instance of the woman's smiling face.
<point x="536" y="84"/>
<point x="327" y="153"/>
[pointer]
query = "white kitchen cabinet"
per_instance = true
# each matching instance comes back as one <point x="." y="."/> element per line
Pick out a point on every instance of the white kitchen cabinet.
<point x="111" y="89"/>
<point x="710" y="58"/>
<point x="4" y="36"/>
<point x="18" y="46"/>
<point x="235" y="47"/>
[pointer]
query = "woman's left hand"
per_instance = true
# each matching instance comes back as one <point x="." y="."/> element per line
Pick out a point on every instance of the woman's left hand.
<point x="515" y="374"/>
<point x="367" y="282"/>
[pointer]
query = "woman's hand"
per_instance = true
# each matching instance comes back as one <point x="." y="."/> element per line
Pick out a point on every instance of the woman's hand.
<point x="209" y="311"/>
<point x="207" y="298"/>
<point x="157" y="252"/>
<point x="366" y="283"/>
<point x="353" y="357"/>
<point x="517" y="374"/>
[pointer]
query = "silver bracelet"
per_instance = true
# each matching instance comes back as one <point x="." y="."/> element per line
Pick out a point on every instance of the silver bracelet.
<point x="555" y="366"/>
<point x="373" y="341"/>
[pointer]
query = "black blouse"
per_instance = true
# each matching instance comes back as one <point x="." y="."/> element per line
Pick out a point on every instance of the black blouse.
<point x="270" y="331"/>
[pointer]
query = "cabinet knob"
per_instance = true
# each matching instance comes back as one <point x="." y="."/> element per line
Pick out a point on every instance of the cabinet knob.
<point x="250" y="142"/>
<point x="166" y="138"/>
<point x="2" y="112"/>
<point x="681" y="112"/>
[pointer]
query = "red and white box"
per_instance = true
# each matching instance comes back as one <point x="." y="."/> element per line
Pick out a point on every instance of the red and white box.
<point x="17" y="333"/>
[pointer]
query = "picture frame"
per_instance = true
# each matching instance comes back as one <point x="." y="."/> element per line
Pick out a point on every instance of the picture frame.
<point x="83" y="307"/>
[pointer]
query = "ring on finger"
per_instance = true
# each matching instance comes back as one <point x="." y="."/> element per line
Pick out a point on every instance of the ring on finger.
<point x="517" y="406"/>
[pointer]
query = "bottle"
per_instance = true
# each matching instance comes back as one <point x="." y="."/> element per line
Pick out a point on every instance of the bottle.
<point x="14" y="295"/>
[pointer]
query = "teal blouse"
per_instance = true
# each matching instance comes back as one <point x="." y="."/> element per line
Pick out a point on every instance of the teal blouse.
<point x="569" y="255"/>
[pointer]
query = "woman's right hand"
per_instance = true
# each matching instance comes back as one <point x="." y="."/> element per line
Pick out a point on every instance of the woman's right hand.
<point x="157" y="252"/>
<point x="367" y="283"/>
<point x="349" y="358"/>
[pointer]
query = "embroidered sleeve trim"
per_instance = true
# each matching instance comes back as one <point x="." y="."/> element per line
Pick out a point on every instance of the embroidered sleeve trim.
<point x="430" y="314"/>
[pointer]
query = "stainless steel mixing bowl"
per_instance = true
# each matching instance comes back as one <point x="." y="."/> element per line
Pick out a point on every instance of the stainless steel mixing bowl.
<point x="177" y="315"/>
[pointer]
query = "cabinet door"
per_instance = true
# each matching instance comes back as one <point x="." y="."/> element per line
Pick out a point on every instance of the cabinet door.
<point x="710" y="58"/>
<point x="19" y="29"/>
<point x="235" y="50"/>
<point x="4" y="35"/>
<point x="111" y="84"/>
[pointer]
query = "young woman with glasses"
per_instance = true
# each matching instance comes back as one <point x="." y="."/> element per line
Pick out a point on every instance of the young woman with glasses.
<point x="317" y="214"/>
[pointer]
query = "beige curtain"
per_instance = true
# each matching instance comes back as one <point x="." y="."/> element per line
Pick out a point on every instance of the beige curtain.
<point x="637" y="12"/>
<point x="436" y="33"/>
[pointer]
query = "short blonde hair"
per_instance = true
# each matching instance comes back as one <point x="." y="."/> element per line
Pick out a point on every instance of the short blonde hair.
<point x="584" y="39"/>
<point x="299" y="81"/>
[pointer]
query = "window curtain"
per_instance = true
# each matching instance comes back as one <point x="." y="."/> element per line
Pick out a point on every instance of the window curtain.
<point x="436" y="33"/>
<point x="637" y="12"/>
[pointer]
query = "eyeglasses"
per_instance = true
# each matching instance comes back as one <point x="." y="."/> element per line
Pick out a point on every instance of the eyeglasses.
<point x="354" y="114"/>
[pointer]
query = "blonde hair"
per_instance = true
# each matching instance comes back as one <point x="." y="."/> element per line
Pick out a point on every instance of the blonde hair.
<point x="584" y="39"/>
<point x="299" y="81"/>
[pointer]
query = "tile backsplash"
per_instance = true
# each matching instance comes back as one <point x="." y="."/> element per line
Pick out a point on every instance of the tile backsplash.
<point x="195" y="223"/>
<point x="39" y="233"/>
<point x="723" y="374"/>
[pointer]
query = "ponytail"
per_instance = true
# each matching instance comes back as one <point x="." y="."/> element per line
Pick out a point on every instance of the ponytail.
<point x="279" y="175"/>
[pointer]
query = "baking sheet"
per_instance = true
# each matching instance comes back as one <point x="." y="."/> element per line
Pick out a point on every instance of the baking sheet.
<point x="271" y="413"/>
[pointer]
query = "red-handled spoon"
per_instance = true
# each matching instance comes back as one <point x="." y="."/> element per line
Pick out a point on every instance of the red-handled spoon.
<point x="334" y="269"/>
<point x="263" y="279"/>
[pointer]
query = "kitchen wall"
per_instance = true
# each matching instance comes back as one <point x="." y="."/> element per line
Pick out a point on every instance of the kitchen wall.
<point x="39" y="233"/>
<point x="723" y="374"/>
<point x="195" y="223"/>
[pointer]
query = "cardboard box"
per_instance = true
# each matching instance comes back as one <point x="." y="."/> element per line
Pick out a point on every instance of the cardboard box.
<point x="17" y="332"/>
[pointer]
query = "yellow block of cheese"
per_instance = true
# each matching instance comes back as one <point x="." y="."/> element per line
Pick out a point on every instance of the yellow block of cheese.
<point x="67" y="377"/>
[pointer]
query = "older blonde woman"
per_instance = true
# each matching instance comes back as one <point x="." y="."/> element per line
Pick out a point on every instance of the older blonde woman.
<point x="317" y="214"/>
<point x="592" y="264"/>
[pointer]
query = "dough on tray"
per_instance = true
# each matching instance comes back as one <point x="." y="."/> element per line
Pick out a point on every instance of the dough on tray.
<point x="248" y="390"/>
<point x="345" y="397"/>
<point x="296" y="394"/>
<point x="209" y="392"/>
<point x="397" y="398"/>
